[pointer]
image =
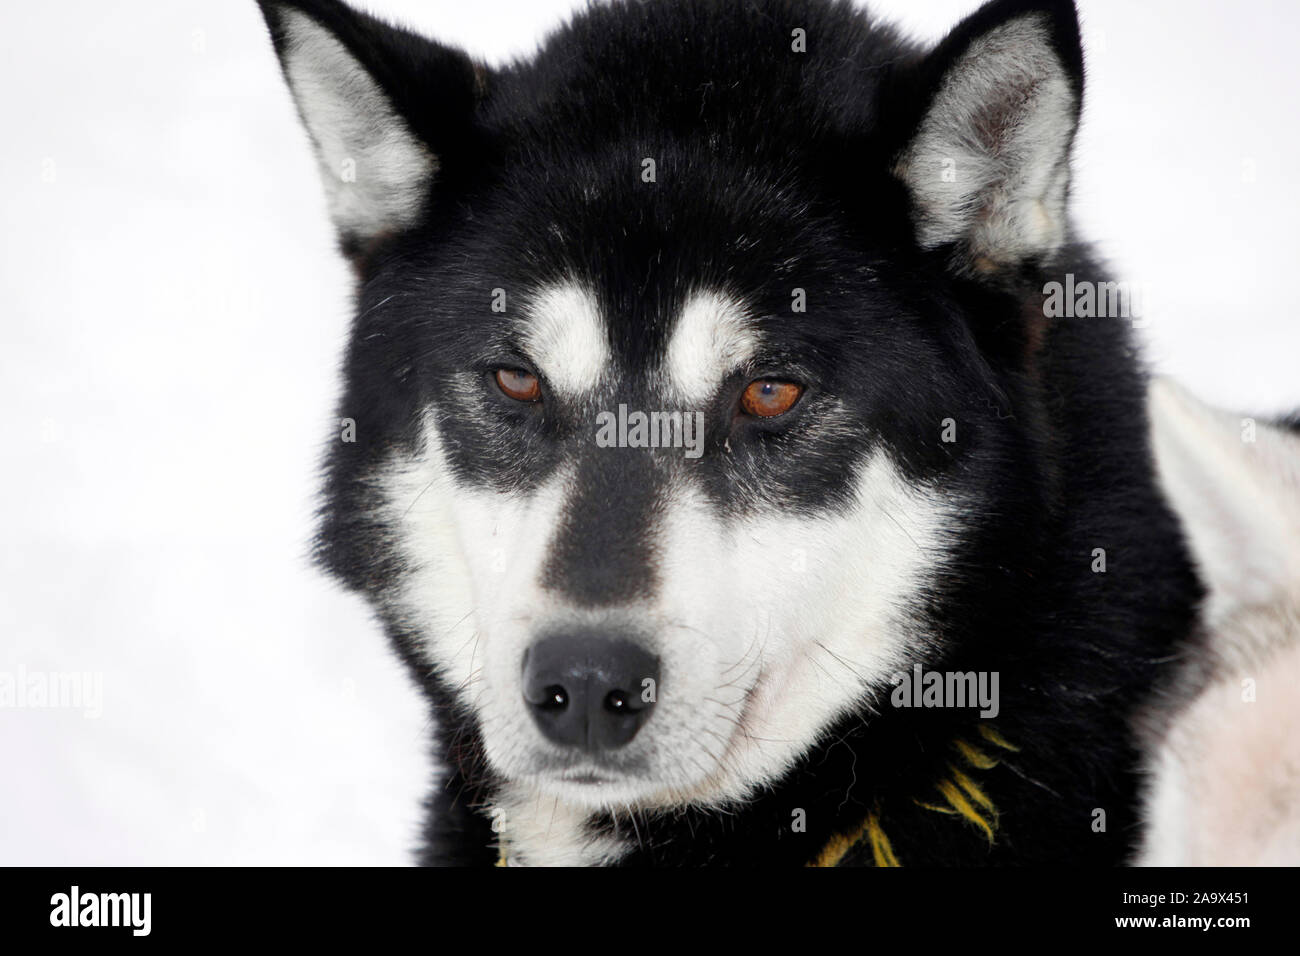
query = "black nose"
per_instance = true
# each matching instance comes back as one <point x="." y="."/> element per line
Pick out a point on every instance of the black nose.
<point x="589" y="691"/>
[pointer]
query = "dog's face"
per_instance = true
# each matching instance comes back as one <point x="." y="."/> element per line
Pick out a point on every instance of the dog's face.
<point x="749" y="578"/>
<point x="669" y="425"/>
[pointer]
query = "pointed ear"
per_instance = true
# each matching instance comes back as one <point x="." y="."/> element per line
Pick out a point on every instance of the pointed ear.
<point x="988" y="166"/>
<point x="389" y="113"/>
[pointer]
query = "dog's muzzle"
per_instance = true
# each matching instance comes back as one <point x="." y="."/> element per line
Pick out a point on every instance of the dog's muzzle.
<point x="589" y="692"/>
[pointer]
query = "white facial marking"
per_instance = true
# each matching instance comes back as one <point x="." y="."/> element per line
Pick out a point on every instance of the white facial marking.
<point x="712" y="338"/>
<point x="804" y="616"/>
<point x="565" y="335"/>
<point x="374" y="168"/>
<point x="473" y="559"/>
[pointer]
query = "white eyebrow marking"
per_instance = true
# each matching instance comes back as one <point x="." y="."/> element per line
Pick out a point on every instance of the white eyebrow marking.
<point x="714" y="336"/>
<point x="565" y="335"/>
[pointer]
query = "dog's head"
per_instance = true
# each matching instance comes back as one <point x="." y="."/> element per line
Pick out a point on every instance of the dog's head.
<point x="680" y="361"/>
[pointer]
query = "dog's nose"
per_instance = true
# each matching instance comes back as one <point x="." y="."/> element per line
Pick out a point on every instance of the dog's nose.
<point x="589" y="691"/>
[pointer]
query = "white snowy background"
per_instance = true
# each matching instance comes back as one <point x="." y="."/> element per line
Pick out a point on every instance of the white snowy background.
<point x="172" y="314"/>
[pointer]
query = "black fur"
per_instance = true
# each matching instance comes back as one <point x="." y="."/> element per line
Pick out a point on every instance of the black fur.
<point x="775" y="172"/>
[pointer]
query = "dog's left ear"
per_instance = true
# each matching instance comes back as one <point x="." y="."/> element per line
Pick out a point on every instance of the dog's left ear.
<point x="388" y="113"/>
<point x="988" y="166"/>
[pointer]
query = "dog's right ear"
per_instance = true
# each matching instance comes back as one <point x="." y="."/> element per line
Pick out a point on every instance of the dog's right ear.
<point x="388" y="113"/>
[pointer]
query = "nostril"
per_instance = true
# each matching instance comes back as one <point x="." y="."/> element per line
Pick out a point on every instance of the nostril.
<point x="554" y="697"/>
<point x="616" y="701"/>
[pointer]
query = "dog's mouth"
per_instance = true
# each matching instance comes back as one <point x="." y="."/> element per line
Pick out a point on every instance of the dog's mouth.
<point x="589" y="778"/>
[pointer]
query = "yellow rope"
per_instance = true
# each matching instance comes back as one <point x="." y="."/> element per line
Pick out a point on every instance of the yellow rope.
<point x="972" y="790"/>
<point x="930" y="806"/>
<point x="975" y="757"/>
<point x="963" y="807"/>
<point x="995" y="738"/>
<point x="839" y="846"/>
<point x="841" y="843"/>
<point x="965" y="798"/>
<point x="881" y="851"/>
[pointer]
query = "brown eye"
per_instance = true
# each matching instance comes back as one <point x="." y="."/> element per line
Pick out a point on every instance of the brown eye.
<point x="768" y="397"/>
<point x="520" y="385"/>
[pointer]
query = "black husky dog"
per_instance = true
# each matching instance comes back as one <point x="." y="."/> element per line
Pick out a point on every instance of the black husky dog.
<point x="709" y="452"/>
